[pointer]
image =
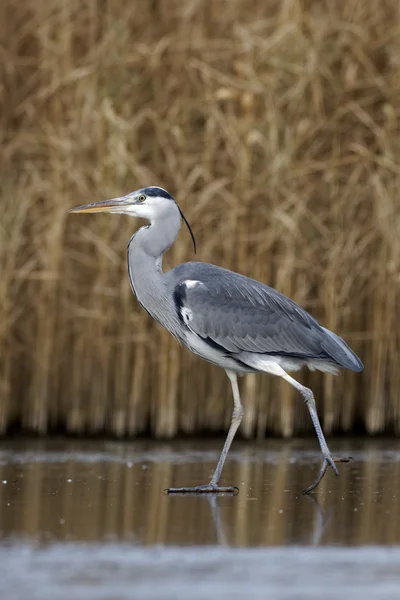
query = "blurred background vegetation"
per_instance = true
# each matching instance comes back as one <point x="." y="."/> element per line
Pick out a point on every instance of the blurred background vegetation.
<point x="274" y="123"/>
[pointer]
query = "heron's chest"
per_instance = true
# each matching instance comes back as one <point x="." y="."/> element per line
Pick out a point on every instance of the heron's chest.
<point x="154" y="300"/>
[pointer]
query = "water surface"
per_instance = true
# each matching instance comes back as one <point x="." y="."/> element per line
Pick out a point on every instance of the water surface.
<point x="91" y="518"/>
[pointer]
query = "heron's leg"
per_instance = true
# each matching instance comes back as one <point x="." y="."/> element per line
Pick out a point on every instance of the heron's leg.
<point x="237" y="417"/>
<point x="328" y="460"/>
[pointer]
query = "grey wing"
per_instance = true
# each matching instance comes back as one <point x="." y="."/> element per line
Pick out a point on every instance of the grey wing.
<point x="243" y="315"/>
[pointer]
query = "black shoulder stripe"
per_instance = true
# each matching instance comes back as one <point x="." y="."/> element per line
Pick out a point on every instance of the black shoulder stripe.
<point x="179" y="299"/>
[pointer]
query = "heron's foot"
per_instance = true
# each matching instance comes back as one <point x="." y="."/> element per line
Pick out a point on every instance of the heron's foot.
<point x="328" y="461"/>
<point x="344" y="459"/>
<point x="209" y="488"/>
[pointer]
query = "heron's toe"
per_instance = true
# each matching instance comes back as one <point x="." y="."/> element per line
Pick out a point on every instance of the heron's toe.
<point x="343" y="459"/>
<point x="331" y="462"/>
<point x="209" y="488"/>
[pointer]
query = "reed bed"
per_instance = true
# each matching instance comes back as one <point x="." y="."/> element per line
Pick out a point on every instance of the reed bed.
<point x="275" y="125"/>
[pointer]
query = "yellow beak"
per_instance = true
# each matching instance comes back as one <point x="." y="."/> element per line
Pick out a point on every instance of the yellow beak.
<point x="103" y="206"/>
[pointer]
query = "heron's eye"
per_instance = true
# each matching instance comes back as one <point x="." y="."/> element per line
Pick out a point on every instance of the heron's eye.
<point x="142" y="198"/>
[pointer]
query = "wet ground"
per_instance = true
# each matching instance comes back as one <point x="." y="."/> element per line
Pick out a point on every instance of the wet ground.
<point x="90" y="520"/>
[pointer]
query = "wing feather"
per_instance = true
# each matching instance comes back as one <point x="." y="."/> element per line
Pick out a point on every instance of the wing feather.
<point x="240" y="314"/>
<point x="244" y="315"/>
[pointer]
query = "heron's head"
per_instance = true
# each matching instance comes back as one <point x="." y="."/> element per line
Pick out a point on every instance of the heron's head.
<point x="147" y="203"/>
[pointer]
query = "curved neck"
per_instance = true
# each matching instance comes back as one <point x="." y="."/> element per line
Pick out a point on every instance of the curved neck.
<point x="156" y="238"/>
<point x="145" y="251"/>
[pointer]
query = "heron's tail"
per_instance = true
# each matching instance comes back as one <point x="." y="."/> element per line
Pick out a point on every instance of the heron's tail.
<point x="340" y="351"/>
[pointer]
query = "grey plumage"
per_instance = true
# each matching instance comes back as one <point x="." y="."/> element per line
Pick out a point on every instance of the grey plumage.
<point x="240" y="314"/>
<point x="228" y="319"/>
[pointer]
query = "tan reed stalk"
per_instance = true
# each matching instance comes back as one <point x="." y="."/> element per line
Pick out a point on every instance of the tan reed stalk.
<point x="276" y="125"/>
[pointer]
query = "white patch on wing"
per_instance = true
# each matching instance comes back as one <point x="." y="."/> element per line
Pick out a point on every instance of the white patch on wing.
<point x="192" y="283"/>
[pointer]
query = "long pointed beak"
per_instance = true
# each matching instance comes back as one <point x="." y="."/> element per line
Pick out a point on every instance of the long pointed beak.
<point x="103" y="206"/>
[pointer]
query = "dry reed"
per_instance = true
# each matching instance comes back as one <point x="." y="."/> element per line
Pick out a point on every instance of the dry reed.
<point x="276" y="126"/>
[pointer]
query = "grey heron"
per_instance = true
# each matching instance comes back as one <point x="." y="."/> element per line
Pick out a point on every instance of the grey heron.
<point x="228" y="319"/>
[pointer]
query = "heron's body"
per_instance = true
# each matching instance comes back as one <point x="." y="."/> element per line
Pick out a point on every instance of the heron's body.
<point x="228" y="319"/>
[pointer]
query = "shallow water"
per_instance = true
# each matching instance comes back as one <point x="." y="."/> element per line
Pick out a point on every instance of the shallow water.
<point x="91" y="519"/>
